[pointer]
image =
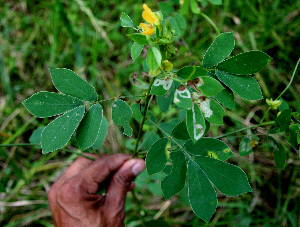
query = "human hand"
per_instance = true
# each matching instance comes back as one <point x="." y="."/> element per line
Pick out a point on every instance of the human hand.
<point x="74" y="200"/>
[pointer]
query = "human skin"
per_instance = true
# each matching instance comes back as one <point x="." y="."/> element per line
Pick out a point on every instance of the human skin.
<point x="74" y="200"/>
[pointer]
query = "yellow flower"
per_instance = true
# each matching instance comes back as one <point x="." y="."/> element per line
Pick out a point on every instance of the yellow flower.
<point x="148" y="15"/>
<point x="148" y="29"/>
<point x="151" y="18"/>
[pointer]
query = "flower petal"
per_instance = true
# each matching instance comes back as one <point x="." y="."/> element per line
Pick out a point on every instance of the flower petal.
<point x="148" y="17"/>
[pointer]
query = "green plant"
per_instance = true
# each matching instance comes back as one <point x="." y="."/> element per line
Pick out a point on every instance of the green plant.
<point x="196" y="126"/>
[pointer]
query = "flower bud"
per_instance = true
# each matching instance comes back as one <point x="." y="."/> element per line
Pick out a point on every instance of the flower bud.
<point x="154" y="73"/>
<point x="167" y="66"/>
<point x="273" y="104"/>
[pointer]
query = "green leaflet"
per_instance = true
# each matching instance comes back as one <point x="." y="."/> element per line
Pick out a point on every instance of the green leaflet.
<point x="180" y="132"/>
<point x="195" y="123"/>
<point x="47" y="104"/>
<point x="244" y="86"/>
<point x="166" y="100"/>
<point x="209" y="86"/>
<point x="102" y="134"/>
<point x="180" y="21"/>
<point x="156" y="158"/>
<point x="69" y="83"/>
<point x="226" y="98"/>
<point x="175" y="26"/>
<point x="36" y="136"/>
<point x="121" y="114"/>
<point x="228" y="179"/>
<point x="218" y="112"/>
<point x="279" y="152"/>
<point x="245" y="147"/>
<point x="282" y="122"/>
<point x="245" y="63"/>
<point x="58" y="132"/>
<point x="149" y="139"/>
<point x="219" y="49"/>
<point x="182" y="97"/>
<point x="154" y="58"/>
<point x="161" y="86"/>
<point x="136" y="50"/>
<point x="191" y="72"/>
<point x="202" y="195"/>
<point x="174" y="182"/>
<point x="126" y="20"/>
<point x="209" y="147"/>
<point x="139" y="38"/>
<point x="88" y="128"/>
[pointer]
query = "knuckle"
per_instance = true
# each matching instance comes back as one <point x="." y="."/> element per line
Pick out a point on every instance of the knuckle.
<point x="121" y="180"/>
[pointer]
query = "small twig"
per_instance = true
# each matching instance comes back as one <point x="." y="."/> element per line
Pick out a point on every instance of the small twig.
<point x="135" y="153"/>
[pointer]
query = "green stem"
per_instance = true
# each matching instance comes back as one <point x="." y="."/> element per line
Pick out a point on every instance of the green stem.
<point x="79" y="154"/>
<point x="294" y="73"/>
<point x="211" y="22"/>
<point x="135" y="153"/>
<point x="243" y="129"/>
<point x="266" y="113"/>
<point x="123" y="97"/>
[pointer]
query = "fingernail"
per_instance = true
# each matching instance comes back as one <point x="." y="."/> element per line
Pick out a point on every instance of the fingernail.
<point x="138" y="168"/>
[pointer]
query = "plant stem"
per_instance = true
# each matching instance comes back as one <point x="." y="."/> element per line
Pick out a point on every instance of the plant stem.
<point x="243" y="129"/>
<point x="211" y="22"/>
<point x="105" y="100"/>
<point x="79" y="154"/>
<point x="294" y="73"/>
<point x="135" y="153"/>
<point x="289" y="84"/>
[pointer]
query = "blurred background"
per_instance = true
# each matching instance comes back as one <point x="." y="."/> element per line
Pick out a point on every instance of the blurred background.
<point x="86" y="37"/>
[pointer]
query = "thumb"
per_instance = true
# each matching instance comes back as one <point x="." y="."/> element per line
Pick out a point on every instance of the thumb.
<point x="120" y="182"/>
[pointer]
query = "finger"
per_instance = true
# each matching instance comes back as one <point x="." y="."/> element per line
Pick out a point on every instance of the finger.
<point x="78" y="165"/>
<point x="120" y="183"/>
<point x="131" y="186"/>
<point x="99" y="170"/>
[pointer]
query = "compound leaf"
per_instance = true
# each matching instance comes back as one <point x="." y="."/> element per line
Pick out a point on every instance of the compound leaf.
<point x="217" y="111"/>
<point x="244" y="86"/>
<point x="209" y="86"/>
<point x="202" y="195"/>
<point x="228" y="179"/>
<point x="279" y="152"/>
<point x="88" y="128"/>
<point x="102" y="134"/>
<point x="47" y="104"/>
<point x="180" y="131"/>
<point x="121" y="114"/>
<point x="174" y="182"/>
<point x="136" y="50"/>
<point x="209" y="147"/>
<point x="58" y="132"/>
<point x="195" y="123"/>
<point x="245" y="147"/>
<point x="219" y="49"/>
<point x="154" y="58"/>
<point x="126" y="20"/>
<point x="246" y="63"/>
<point x="282" y="122"/>
<point x="69" y="83"/>
<point x="139" y="38"/>
<point x="226" y="98"/>
<point x="191" y="72"/>
<point x="182" y="97"/>
<point x="156" y="158"/>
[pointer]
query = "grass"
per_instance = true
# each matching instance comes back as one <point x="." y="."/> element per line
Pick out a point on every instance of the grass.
<point x="86" y="36"/>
